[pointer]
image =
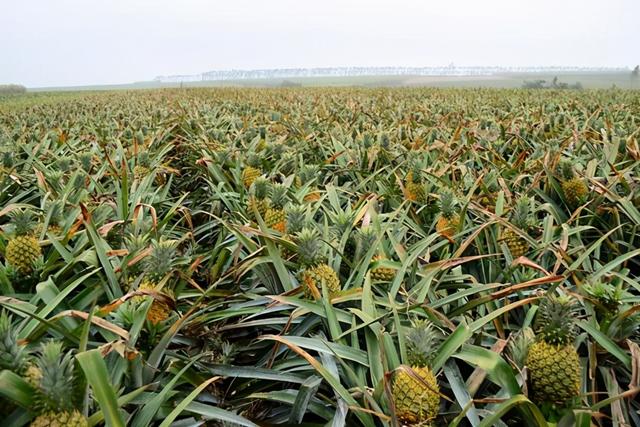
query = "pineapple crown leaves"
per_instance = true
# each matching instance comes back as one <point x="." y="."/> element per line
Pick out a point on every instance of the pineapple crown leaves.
<point x="57" y="383"/>
<point x="566" y="169"/>
<point x="521" y="215"/>
<point x="365" y="238"/>
<point x="309" y="247"/>
<point x="422" y="340"/>
<point x="86" y="160"/>
<point x="555" y="321"/>
<point x="518" y="347"/>
<point x="23" y="221"/>
<point x="342" y="221"/>
<point x="448" y="204"/>
<point x="253" y="160"/>
<point x="279" y="196"/>
<point x="144" y="159"/>
<point x="161" y="259"/>
<point x="261" y="188"/>
<point x="308" y="173"/>
<point x="296" y="218"/>
<point x="12" y="356"/>
<point x="54" y="211"/>
<point x="606" y="297"/>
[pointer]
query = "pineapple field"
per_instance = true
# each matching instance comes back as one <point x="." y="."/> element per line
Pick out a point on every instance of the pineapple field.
<point x="320" y="257"/>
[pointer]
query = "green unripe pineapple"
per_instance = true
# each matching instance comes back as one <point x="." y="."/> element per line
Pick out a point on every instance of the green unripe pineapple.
<point x="552" y="361"/>
<point x="415" y="390"/>
<point x="23" y="249"/>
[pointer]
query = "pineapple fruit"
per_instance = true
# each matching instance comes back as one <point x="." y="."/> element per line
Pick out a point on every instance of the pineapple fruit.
<point x="59" y="419"/>
<point x="157" y="265"/>
<point x="449" y="219"/>
<point x="53" y="376"/>
<point x="316" y="272"/>
<point x="414" y="186"/>
<point x="415" y="390"/>
<point x="23" y="249"/>
<point x="252" y="170"/>
<point x="259" y="197"/>
<point x="142" y="167"/>
<point x="574" y="188"/>
<point x="552" y="361"/>
<point x="382" y="274"/>
<point x="275" y="217"/>
<point x="521" y="218"/>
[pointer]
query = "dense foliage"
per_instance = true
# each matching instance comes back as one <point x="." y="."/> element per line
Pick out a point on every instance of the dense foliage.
<point x="320" y="257"/>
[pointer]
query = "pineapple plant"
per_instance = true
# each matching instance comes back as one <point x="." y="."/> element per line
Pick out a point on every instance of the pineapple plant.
<point x="259" y="197"/>
<point x="157" y="265"/>
<point x="252" y="170"/>
<point x="316" y="273"/>
<point x="520" y="218"/>
<point x="141" y="169"/>
<point x="54" y="214"/>
<point x="574" y="188"/>
<point x="12" y="356"/>
<point x="415" y="390"/>
<point x="306" y="174"/>
<point x="275" y="217"/>
<point x="295" y="221"/>
<point x="54" y="377"/>
<point x="23" y="249"/>
<point x="552" y="360"/>
<point x="449" y="218"/>
<point x="414" y="189"/>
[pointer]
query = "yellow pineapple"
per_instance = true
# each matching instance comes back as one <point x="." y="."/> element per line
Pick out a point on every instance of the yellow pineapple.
<point x="252" y="170"/>
<point x="380" y="273"/>
<point x="449" y="219"/>
<point x="316" y="273"/>
<point x="23" y="248"/>
<point x="158" y="264"/>
<point x="60" y="419"/>
<point x="414" y="190"/>
<point x="259" y="197"/>
<point x="574" y="188"/>
<point x="415" y="390"/>
<point x="275" y="216"/>
<point x="552" y="361"/>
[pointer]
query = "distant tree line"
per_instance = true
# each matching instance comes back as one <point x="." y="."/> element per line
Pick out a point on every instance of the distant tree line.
<point x="554" y="84"/>
<point x="11" y="89"/>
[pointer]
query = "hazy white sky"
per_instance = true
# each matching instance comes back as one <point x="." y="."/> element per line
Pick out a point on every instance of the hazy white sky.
<point x="74" y="42"/>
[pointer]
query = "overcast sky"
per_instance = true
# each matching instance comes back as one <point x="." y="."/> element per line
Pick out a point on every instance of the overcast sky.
<point x="76" y="42"/>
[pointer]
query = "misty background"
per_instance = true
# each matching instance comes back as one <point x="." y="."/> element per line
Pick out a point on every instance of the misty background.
<point x="74" y="42"/>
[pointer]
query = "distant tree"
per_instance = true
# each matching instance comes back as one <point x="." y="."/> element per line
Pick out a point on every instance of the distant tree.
<point x="635" y="75"/>
<point x="12" y="89"/>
